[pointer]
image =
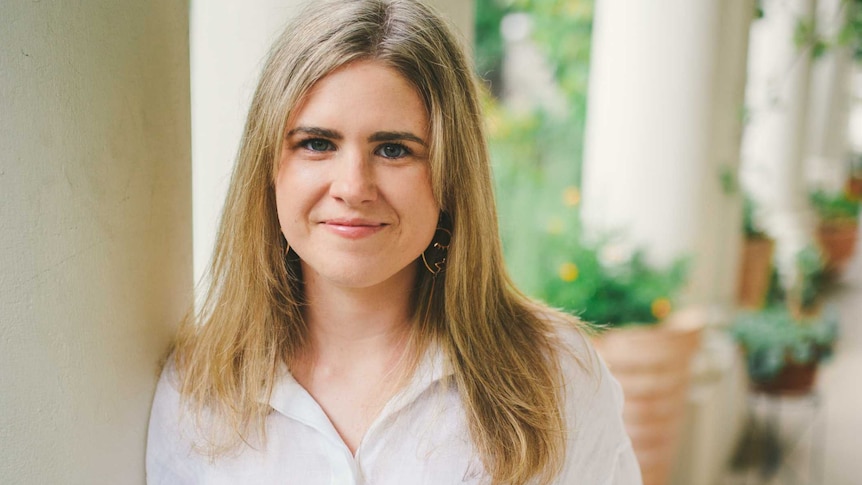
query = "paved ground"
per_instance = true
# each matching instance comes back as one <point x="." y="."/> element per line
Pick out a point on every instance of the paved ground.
<point x="841" y="387"/>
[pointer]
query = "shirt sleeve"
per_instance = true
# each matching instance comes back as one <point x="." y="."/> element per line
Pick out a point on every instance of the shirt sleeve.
<point x="168" y="454"/>
<point x="627" y="470"/>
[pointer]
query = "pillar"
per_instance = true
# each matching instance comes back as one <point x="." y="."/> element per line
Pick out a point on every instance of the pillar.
<point x="827" y="142"/>
<point x="663" y="125"/>
<point x="774" y="145"/>
<point x="95" y="231"/>
<point x="664" y="128"/>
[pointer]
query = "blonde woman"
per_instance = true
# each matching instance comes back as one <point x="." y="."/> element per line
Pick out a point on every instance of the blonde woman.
<point x="359" y="327"/>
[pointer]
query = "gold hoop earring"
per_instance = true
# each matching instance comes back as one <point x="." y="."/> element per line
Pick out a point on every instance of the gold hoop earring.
<point x="434" y="257"/>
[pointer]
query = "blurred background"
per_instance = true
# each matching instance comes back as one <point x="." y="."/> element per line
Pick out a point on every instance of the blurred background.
<point x="684" y="175"/>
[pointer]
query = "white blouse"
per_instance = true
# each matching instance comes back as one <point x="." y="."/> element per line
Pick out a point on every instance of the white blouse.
<point x="420" y="437"/>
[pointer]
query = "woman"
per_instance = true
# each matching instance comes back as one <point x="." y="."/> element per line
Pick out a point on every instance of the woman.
<point x="359" y="326"/>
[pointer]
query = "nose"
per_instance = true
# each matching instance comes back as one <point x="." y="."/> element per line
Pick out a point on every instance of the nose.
<point x="353" y="181"/>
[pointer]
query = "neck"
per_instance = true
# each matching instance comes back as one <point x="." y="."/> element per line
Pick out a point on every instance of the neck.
<point x="351" y="325"/>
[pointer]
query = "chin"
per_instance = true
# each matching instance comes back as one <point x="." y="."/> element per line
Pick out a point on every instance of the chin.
<point x="361" y="276"/>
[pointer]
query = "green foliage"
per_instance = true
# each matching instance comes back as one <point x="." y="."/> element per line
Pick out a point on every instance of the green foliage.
<point x="749" y="226"/>
<point x="806" y="36"/>
<point x="811" y="284"/>
<point x="537" y="158"/>
<point x="536" y="154"/>
<point x="606" y="284"/>
<point x="773" y="336"/>
<point x="851" y="33"/>
<point x="787" y="330"/>
<point x="834" y="206"/>
<point x="728" y="180"/>
<point x="562" y="29"/>
<point x="489" y="42"/>
<point x="813" y="280"/>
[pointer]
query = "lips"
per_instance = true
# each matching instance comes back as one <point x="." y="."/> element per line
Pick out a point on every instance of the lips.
<point x="353" y="228"/>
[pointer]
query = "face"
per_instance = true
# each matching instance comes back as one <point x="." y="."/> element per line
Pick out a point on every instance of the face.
<point x="353" y="189"/>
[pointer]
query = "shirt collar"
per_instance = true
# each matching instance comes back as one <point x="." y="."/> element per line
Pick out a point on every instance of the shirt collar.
<point x="291" y="399"/>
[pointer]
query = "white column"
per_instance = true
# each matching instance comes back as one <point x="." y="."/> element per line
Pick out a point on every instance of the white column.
<point x="648" y="161"/>
<point x="716" y="409"/>
<point x="95" y="231"/>
<point x="664" y="125"/>
<point x="229" y="43"/>
<point x="719" y="228"/>
<point x="827" y="143"/>
<point x="774" y="145"/>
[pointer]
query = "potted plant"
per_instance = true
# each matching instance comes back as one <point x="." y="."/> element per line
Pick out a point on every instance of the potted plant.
<point x="609" y="284"/>
<point x="784" y="343"/>
<point x="755" y="261"/>
<point x="647" y="345"/>
<point x="838" y="227"/>
<point x="783" y="350"/>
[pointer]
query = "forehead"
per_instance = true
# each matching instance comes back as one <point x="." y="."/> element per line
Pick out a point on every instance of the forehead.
<point x="367" y="90"/>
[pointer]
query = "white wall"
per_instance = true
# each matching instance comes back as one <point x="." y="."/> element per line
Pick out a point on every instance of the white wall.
<point x="95" y="237"/>
<point x="229" y="42"/>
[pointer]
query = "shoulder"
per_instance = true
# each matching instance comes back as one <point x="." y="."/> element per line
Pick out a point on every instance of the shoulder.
<point x="170" y="452"/>
<point x="598" y="449"/>
<point x="586" y="379"/>
<point x="570" y="337"/>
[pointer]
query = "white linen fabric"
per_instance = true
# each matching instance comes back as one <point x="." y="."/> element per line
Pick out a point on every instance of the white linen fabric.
<point x="420" y="437"/>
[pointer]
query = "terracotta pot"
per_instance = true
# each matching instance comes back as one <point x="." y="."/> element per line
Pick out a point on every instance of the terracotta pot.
<point x="754" y="272"/>
<point x="838" y="241"/>
<point x="793" y="380"/>
<point x="653" y="366"/>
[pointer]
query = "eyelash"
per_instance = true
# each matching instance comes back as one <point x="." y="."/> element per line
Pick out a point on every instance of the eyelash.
<point x="307" y="145"/>
<point x="405" y="151"/>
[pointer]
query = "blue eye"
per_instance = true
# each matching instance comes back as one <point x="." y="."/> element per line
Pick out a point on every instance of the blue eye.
<point x="317" y="144"/>
<point x="393" y="150"/>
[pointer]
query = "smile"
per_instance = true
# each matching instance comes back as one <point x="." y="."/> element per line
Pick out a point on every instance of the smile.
<point x="353" y="228"/>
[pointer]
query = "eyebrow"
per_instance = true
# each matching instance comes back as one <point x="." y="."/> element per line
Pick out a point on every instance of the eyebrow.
<point x="311" y="130"/>
<point x="375" y="137"/>
<point x="395" y="136"/>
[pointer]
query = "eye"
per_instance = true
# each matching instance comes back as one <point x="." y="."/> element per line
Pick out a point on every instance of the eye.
<point x="317" y="145"/>
<point x="393" y="150"/>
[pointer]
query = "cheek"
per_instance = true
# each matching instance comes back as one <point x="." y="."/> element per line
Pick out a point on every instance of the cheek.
<point x="424" y="208"/>
<point x="282" y="211"/>
<point x="285" y="199"/>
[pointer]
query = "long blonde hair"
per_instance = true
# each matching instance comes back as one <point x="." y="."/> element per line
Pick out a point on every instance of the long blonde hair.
<point x="504" y="355"/>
